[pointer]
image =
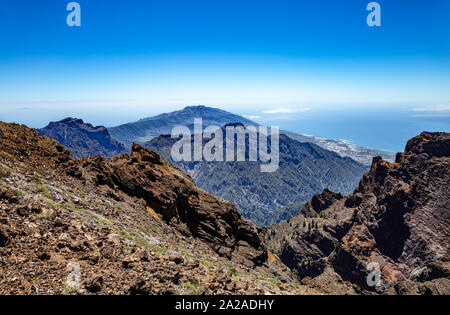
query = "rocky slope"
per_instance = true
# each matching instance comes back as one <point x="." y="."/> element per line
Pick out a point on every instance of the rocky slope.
<point x="83" y="139"/>
<point x="132" y="224"/>
<point x="398" y="217"/>
<point x="304" y="169"/>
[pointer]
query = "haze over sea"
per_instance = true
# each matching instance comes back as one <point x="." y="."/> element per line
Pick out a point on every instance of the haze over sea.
<point x="312" y="67"/>
<point x="381" y="127"/>
<point x="384" y="128"/>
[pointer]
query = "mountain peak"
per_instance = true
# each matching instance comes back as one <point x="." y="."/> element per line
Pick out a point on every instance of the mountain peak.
<point x="432" y="143"/>
<point x="194" y="107"/>
<point x="69" y="120"/>
<point x="146" y="129"/>
<point x="77" y="123"/>
<point x="235" y="124"/>
<point x="83" y="139"/>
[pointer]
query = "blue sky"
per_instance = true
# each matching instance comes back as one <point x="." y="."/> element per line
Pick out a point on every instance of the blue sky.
<point x="273" y="60"/>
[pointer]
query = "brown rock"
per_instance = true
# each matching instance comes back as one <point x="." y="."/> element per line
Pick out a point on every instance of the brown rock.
<point x="144" y="174"/>
<point x="399" y="216"/>
<point x="94" y="284"/>
<point x="4" y="237"/>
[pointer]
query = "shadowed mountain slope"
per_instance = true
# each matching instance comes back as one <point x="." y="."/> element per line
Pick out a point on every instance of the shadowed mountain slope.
<point x="398" y="218"/>
<point x="83" y="139"/>
<point x="304" y="169"/>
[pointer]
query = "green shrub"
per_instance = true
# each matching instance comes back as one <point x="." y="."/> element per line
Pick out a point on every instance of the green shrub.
<point x="206" y="263"/>
<point x="4" y="172"/>
<point x="232" y="270"/>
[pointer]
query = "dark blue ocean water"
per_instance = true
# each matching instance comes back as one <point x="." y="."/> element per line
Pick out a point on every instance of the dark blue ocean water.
<point x="385" y="129"/>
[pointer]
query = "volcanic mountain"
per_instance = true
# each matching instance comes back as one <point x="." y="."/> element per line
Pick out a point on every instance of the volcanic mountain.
<point x="146" y="129"/>
<point x="304" y="169"/>
<point x="398" y="220"/>
<point x="83" y="139"/>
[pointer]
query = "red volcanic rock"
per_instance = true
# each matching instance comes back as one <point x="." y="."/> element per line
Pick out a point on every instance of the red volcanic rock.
<point x="399" y="216"/>
<point x="174" y="196"/>
<point x="143" y="174"/>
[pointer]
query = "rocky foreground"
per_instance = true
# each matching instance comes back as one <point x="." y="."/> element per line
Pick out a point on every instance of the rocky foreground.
<point x="398" y="217"/>
<point x="134" y="224"/>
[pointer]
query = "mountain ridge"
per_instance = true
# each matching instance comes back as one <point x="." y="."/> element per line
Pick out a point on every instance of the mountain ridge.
<point x="145" y="129"/>
<point x="397" y="218"/>
<point x="136" y="225"/>
<point x="304" y="169"/>
<point x="83" y="139"/>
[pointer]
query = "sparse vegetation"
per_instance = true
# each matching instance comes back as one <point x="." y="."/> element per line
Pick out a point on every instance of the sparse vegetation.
<point x="206" y="263"/>
<point x="272" y="283"/>
<point x="42" y="189"/>
<point x="158" y="249"/>
<point x="125" y="234"/>
<point x="185" y="253"/>
<point x="70" y="289"/>
<point x="305" y="261"/>
<point x="17" y="192"/>
<point x="152" y="229"/>
<point x="45" y="213"/>
<point x="232" y="270"/>
<point x="194" y="288"/>
<point x="4" y="172"/>
<point x="53" y="204"/>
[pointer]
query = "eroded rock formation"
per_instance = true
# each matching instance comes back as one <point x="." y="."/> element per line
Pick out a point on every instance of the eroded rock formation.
<point x="398" y="217"/>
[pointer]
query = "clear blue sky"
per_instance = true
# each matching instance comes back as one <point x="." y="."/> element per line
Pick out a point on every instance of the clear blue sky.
<point x="136" y="58"/>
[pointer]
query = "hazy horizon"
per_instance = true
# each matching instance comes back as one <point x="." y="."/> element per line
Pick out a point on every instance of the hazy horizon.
<point x="376" y="127"/>
<point x="310" y="67"/>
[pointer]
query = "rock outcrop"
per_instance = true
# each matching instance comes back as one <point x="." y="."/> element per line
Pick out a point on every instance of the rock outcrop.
<point x="143" y="174"/>
<point x="174" y="196"/>
<point x="132" y="224"/>
<point x="21" y="145"/>
<point x="398" y="217"/>
<point x="83" y="139"/>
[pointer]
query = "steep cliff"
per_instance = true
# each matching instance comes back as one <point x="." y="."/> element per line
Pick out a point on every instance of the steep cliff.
<point x="398" y="217"/>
